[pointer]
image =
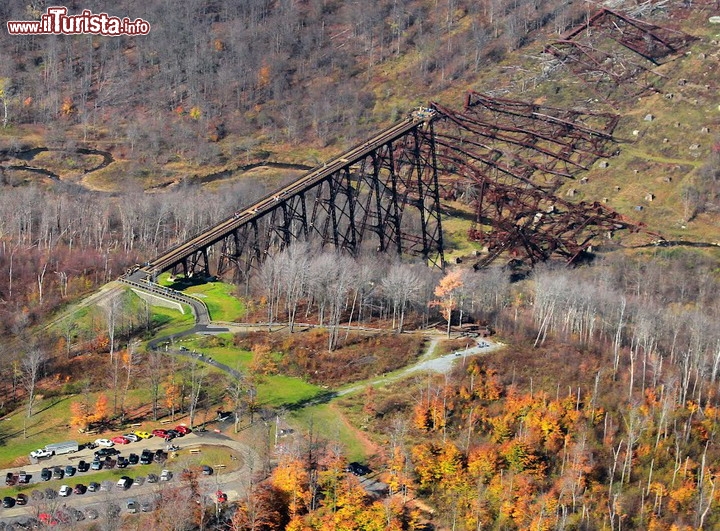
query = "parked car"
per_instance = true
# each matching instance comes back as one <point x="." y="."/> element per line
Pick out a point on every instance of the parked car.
<point x="58" y="473"/>
<point x="143" y="434"/>
<point x="120" y="440"/>
<point x="40" y="453"/>
<point x="139" y="480"/>
<point x="159" y="433"/>
<point x="166" y="475"/>
<point x="23" y="477"/>
<point x="109" y="464"/>
<point x="132" y="506"/>
<point x="146" y="506"/>
<point x="221" y="496"/>
<point x="45" y="474"/>
<point x="10" y="478"/>
<point x="160" y="456"/>
<point x="80" y="489"/>
<point x="146" y="457"/>
<point x="93" y="486"/>
<point x="207" y="470"/>
<point x="48" y="519"/>
<point x="104" y="452"/>
<point x="105" y="443"/>
<point x="65" y="491"/>
<point x="357" y="469"/>
<point x="124" y="483"/>
<point x="152" y="478"/>
<point x="171" y="434"/>
<point x="21" y="499"/>
<point x="70" y="470"/>
<point x="83" y="466"/>
<point x="131" y="437"/>
<point x="182" y="430"/>
<point x="8" y="502"/>
<point x="96" y="465"/>
<point x="133" y="459"/>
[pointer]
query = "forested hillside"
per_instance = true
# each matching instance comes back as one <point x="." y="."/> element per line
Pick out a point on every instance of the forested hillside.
<point x="313" y="72"/>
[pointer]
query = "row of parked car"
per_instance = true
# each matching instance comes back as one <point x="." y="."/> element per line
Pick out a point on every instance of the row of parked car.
<point x="168" y="435"/>
<point x="123" y="483"/>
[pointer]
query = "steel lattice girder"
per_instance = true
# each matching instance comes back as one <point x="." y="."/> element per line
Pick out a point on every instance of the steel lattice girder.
<point x="519" y="142"/>
<point x="538" y="225"/>
<point x="509" y="151"/>
<point x="387" y="200"/>
<point x="615" y="48"/>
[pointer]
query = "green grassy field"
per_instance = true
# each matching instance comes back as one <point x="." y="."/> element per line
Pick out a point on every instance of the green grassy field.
<point x="222" y="304"/>
<point x="321" y="420"/>
<point x="219" y="299"/>
<point x="168" y="321"/>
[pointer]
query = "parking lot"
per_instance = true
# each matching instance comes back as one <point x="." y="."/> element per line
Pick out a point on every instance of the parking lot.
<point x="141" y="488"/>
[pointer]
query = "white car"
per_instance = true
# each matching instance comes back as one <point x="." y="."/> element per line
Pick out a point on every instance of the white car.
<point x="106" y="443"/>
<point x="65" y="491"/>
<point x="166" y="475"/>
<point x="40" y="453"/>
<point x="131" y="437"/>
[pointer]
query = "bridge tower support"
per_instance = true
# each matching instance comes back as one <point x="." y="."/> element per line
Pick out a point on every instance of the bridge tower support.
<point x="380" y="196"/>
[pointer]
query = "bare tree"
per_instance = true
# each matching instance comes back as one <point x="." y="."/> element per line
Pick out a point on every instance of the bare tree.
<point x="198" y="372"/>
<point x="155" y="376"/>
<point x="31" y="368"/>
<point x="237" y="389"/>
<point x="401" y="286"/>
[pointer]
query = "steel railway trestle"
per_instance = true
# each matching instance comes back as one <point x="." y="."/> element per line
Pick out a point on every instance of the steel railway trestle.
<point x="381" y="194"/>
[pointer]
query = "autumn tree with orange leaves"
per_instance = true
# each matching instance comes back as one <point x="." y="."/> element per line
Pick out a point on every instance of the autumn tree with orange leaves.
<point x="83" y="416"/>
<point x="448" y="291"/>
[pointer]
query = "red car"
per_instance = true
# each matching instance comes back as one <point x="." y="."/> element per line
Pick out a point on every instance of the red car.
<point x="120" y="440"/>
<point x="182" y="430"/>
<point x="221" y="496"/>
<point x="159" y="433"/>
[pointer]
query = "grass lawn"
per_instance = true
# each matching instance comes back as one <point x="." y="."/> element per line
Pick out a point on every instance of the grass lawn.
<point x="217" y="296"/>
<point x="281" y="390"/>
<point x="168" y="321"/>
<point x="322" y="420"/>
<point x="230" y="356"/>
<point x="219" y="299"/>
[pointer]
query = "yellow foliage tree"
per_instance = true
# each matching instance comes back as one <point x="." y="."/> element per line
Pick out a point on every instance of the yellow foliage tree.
<point x="262" y="360"/>
<point x="79" y="416"/>
<point x="447" y="292"/>
<point x="172" y="395"/>
<point x="291" y="478"/>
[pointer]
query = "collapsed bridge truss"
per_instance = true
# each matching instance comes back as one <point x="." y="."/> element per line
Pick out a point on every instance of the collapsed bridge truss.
<point x="512" y="156"/>
<point x="614" y="53"/>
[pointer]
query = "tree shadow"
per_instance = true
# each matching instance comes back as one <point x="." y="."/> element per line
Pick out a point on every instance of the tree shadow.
<point x="321" y="398"/>
<point x="181" y="283"/>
